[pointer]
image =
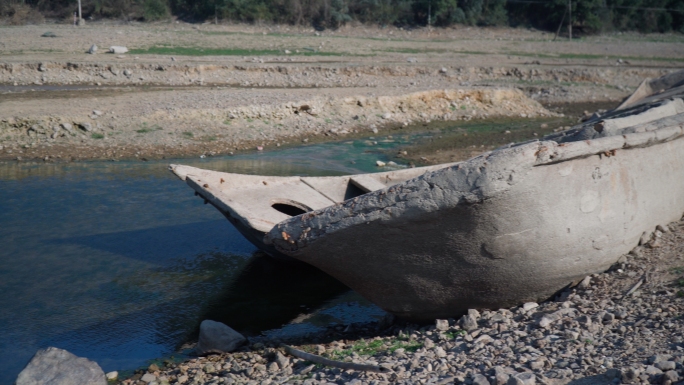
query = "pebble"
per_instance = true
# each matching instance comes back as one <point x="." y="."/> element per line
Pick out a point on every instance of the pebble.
<point x="500" y="376"/>
<point x="67" y="127"/>
<point x="480" y="379"/>
<point x="112" y="375"/>
<point x="380" y="163"/>
<point x="522" y="379"/>
<point x="442" y="324"/>
<point x="468" y="322"/>
<point x="665" y="365"/>
<point x="670" y="376"/>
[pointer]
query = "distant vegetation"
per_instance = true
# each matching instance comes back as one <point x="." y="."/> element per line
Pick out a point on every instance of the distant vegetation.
<point x="588" y="16"/>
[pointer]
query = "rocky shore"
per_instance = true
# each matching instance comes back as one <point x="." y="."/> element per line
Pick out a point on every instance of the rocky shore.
<point x="623" y="326"/>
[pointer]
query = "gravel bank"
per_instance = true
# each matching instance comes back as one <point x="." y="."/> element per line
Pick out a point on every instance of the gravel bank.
<point x="621" y="326"/>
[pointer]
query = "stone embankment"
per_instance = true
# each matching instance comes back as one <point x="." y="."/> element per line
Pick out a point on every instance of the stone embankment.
<point x="274" y="72"/>
<point x="621" y="326"/>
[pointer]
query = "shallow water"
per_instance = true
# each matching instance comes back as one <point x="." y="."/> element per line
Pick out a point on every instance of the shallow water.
<point x="119" y="262"/>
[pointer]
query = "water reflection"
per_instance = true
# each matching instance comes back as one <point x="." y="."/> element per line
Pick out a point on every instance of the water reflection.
<point x="268" y="293"/>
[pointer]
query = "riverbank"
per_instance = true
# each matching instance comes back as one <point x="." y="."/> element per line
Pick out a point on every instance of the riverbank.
<point x="298" y="116"/>
<point x="621" y="326"/>
<point x="201" y="90"/>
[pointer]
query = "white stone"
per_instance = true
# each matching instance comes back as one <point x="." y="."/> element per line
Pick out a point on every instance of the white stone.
<point x="115" y="49"/>
<point x="522" y="379"/>
<point x="55" y="366"/>
<point x="442" y="324"/>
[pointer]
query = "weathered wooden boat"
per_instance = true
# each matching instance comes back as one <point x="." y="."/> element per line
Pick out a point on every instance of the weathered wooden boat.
<point x="254" y="203"/>
<point x="512" y="225"/>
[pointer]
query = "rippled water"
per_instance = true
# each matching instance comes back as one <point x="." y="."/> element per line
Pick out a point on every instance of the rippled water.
<point x="119" y="262"/>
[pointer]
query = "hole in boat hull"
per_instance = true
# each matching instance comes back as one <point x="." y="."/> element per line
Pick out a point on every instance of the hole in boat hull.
<point x="291" y="208"/>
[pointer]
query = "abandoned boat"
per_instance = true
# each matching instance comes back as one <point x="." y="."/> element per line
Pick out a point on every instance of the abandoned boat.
<point x="512" y="225"/>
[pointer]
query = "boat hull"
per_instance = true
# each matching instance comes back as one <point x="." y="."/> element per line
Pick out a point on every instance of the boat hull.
<point x="508" y="227"/>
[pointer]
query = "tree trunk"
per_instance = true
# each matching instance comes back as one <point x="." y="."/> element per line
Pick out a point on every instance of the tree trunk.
<point x="570" y="19"/>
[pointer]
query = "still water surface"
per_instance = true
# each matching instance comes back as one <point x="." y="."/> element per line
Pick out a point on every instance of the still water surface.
<point x="119" y="262"/>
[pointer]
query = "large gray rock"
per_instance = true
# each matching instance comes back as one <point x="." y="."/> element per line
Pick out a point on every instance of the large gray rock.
<point x="216" y="337"/>
<point x="54" y="366"/>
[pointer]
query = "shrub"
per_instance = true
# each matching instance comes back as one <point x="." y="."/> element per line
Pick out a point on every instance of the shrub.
<point x="20" y="14"/>
<point x="155" y="10"/>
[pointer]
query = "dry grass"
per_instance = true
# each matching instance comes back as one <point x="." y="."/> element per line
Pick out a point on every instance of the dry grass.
<point x="22" y="14"/>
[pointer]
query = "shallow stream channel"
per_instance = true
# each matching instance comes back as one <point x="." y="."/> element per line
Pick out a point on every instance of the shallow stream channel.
<point x="119" y="262"/>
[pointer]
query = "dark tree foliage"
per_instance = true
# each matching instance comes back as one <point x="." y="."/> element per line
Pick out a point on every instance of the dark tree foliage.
<point x="588" y="16"/>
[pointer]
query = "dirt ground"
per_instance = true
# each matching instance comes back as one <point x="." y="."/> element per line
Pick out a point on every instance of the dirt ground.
<point x="191" y="90"/>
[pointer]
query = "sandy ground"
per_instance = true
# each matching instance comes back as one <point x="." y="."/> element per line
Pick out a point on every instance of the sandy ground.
<point x="246" y="86"/>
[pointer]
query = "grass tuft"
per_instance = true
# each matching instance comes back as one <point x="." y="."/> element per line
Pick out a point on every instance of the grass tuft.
<point x="199" y="51"/>
<point x="144" y="128"/>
